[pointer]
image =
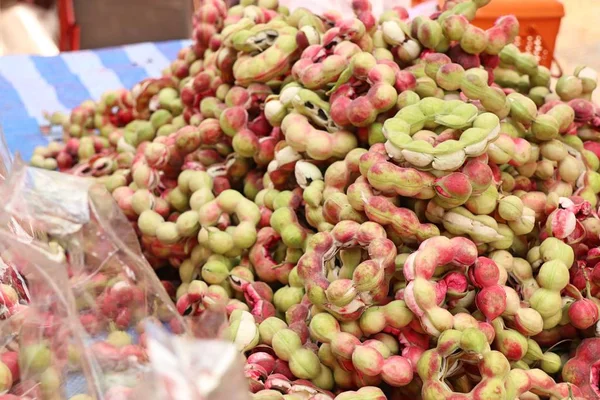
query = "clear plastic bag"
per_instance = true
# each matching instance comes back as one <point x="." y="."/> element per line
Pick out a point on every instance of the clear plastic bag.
<point x="115" y="291"/>
<point x="14" y="294"/>
<point x="6" y="159"/>
<point x="190" y="369"/>
<point x="6" y="163"/>
<point x="43" y="333"/>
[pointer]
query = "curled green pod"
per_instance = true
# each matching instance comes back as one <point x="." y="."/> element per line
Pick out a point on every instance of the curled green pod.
<point x="234" y="238"/>
<point x="545" y="127"/>
<point x="522" y="109"/>
<point x="285" y="222"/>
<point x="403" y="145"/>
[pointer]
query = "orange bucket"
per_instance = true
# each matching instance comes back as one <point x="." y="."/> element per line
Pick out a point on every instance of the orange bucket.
<point x="539" y="22"/>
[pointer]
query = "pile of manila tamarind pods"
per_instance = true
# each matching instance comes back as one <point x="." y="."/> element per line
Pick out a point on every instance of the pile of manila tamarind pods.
<point x="388" y="208"/>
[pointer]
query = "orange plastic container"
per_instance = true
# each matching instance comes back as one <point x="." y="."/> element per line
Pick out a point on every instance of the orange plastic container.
<point x="539" y="22"/>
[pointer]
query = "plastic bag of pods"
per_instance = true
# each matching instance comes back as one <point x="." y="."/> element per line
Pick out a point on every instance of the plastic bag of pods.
<point x="115" y="293"/>
<point x="38" y="342"/>
<point x="14" y="294"/>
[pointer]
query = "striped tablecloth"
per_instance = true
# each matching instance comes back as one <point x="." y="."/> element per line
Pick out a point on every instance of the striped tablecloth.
<point x="31" y="85"/>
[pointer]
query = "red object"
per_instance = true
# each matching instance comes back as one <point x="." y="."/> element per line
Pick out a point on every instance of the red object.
<point x="69" y="30"/>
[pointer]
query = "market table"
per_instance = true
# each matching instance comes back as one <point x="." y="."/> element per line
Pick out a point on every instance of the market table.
<point x="32" y="85"/>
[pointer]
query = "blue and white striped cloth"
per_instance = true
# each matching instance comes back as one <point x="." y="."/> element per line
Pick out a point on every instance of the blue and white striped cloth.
<point x="31" y="85"/>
